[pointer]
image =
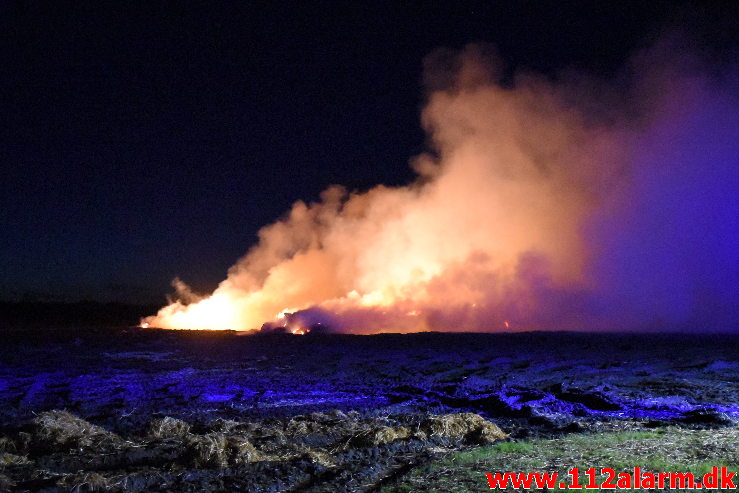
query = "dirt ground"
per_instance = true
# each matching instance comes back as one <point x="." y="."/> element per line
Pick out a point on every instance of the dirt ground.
<point x="149" y="410"/>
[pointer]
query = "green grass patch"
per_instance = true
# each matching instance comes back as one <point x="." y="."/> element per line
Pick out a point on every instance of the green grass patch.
<point x="667" y="449"/>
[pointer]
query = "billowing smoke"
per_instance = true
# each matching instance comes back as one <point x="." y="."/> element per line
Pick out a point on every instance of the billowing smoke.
<point x="566" y="204"/>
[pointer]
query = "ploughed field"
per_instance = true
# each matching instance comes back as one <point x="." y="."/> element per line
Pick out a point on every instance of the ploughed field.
<point x="152" y="410"/>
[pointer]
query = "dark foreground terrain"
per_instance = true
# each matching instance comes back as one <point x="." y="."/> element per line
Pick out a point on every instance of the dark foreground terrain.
<point x="150" y="410"/>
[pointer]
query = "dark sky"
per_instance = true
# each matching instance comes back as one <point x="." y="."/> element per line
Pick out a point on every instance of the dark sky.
<point x="142" y="143"/>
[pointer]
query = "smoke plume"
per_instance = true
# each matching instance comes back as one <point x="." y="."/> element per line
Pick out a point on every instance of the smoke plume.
<point x="565" y="203"/>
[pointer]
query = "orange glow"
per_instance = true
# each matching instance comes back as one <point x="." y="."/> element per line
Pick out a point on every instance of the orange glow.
<point x="519" y="195"/>
<point x="407" y="258"/>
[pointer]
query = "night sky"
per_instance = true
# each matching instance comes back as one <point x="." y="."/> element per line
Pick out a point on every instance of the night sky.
<point x="142" y="143"/>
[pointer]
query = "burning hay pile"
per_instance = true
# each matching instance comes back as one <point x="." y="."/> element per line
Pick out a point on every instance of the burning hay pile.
<point x="339" y="451"/>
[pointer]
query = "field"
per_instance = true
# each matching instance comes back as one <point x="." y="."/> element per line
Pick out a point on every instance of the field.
<point x="131" y="409"/>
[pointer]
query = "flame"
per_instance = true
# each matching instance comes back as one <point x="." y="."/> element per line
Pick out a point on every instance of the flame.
<point x="535" y="205"/>
<point x="215" y="312"/>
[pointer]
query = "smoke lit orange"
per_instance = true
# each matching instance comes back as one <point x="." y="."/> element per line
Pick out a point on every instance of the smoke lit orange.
<point x="526" y="210"/>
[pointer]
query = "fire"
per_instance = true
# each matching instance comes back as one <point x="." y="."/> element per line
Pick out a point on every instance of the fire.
<point x="215" y="312"/>
<point x="533" y="200"/>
